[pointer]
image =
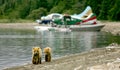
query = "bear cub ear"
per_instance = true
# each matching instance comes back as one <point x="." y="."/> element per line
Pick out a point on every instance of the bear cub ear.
<point x="38" y="48"/>
<point x="33" y="48"/>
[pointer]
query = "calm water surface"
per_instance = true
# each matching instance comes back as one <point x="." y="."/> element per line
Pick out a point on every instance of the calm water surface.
<point x="16" y="45"/>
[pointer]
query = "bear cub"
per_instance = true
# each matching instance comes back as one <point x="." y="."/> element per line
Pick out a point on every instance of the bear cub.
<point x="47" y="52"/>
<point x="36" y="55"/>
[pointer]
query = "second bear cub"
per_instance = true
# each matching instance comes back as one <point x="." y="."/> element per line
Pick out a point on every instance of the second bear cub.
<point x="47" y="52"/>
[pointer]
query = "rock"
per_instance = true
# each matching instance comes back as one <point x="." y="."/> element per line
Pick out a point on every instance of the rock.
<point x="78" y="68"/>
<point x="112" y="47"/>
<point x="115" y="65"/>
<point x="114" y="44"/>
<point x="97" y="67"/>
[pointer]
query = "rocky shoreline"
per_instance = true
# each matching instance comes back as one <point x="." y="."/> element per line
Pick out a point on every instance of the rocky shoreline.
<point x="111" y="27"/>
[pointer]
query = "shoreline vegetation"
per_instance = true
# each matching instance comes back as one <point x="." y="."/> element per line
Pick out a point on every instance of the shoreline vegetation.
<point x="34" y="9"/>
<point x="95" y="59"/>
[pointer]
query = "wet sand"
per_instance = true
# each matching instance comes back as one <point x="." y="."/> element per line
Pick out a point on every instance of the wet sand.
<point x="96" y="59"/>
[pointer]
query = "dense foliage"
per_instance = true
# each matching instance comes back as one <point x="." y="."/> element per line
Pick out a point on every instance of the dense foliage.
<point x="34" y="9"/>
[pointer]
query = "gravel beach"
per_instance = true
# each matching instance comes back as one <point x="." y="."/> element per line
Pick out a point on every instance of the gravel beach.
<point x="112" y="27"/>
<point x="96" y="59"/>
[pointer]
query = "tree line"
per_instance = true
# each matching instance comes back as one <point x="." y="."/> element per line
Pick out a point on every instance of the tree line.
<point x="34" y="9"/>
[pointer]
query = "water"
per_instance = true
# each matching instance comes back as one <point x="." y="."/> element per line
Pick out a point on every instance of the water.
<point x="16" y="45"/>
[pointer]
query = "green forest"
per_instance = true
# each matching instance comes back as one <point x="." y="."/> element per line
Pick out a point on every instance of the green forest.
<point x="34" y="9"/>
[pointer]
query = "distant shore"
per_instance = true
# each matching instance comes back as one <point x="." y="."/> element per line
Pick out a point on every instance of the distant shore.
<point x="18" y="25"/>
<point x="111" y="27"/>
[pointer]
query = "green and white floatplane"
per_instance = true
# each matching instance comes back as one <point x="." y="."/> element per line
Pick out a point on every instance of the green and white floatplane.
<point x="86" y="21"/>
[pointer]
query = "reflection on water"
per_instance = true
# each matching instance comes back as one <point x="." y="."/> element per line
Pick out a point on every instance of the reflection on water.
<point x="68" y="43"/>
<point x="15" y="46"/>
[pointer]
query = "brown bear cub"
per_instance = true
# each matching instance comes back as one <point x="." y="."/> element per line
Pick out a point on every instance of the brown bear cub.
<point x="47" y="52"/>
<point x="36" y="55"/>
